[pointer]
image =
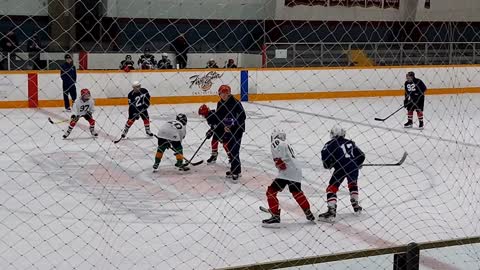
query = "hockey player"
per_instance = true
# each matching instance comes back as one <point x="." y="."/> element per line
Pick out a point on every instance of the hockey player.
<point x="414" y="99"/>
<point x="138" y="103"/>
<point x="289" y="174"/>
<point x="216" y="132"/>
<point x="170" y="135"/>
<point x="82" y="107"/>
<point x="347" y="159"/>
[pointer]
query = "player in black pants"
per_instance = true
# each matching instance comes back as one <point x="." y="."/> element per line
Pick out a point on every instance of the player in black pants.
<point x="138" y="103"/>
<point x="347" y="159"/>
<point x="414" y="99"/>
<point x="215" y="132"/>
<point x="230" y="111"/>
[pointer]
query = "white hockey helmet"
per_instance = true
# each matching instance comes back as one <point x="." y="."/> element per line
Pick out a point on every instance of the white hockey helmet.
<point x="337" y="131"/>
<point x="164" y="55"/>
<point x="136" y="84"/>
<point x="278" y="134"/>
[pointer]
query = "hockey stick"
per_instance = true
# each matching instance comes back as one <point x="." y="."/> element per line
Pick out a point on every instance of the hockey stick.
<point x="194" y="154"/>
<point x="400" y="162"/>
<point x="188" y="162"/>
<point x="383" y="119"/>
<point x="264" y="209"/>
<point x="117" y="141"/>
<point x="57" y="122"/>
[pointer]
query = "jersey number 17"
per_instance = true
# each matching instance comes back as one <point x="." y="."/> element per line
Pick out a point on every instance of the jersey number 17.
<point x="347" y="149"/>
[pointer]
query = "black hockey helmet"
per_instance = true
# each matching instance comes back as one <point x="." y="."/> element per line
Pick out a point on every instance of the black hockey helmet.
<point x="182" y="118"/>
<point x="410" y="76"/>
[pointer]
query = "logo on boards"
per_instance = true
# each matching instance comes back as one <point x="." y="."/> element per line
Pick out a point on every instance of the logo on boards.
<point x="205" y="82"/>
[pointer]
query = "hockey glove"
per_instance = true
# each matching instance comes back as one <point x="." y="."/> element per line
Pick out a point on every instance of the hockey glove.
<point x="74" y="118"/>
<point x="280" y="164"/>
<point x="209" y="134"/>
<point x="406" y="102"/>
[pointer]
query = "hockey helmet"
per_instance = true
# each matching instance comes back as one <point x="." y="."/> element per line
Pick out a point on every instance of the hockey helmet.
<point x="224" y="89"/>
<point x="203" y="110"/>
<point x="136" y="85"/>
<point x="278" y="134"/>
<point x="337" y="131"/>
<point x="410" y="75"/>
<point x="85" y="94"/>
<point x="182" y="118"/>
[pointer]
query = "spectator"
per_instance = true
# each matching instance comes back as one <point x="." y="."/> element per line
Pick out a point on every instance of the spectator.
<point x="127" y="64"/>
<point x="8" y="45"/>
<point x="147" y="60"/>
<point x="68" y="73"/>
<point x="230" y="64"/>
<point x="164" y="63"/>
<point x="212" y="64"/>
<point x="180" y="47"/>
<point x="33" y="48"/>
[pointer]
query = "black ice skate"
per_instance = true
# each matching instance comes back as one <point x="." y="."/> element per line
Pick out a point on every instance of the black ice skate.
<point x="212" y="159"/>
<point x="93" y="132"/>
<point x="356" y="206"/>
<point x="328" y="216"/>
<point x="155" y="166"/>
<point x="274" y="219"/>
<point x="309" y="215"/>
<point x="149" y="133"/>
<point x="409" y="124"/>
<point x="420" y="125"/>
<point x="67" y="133"/>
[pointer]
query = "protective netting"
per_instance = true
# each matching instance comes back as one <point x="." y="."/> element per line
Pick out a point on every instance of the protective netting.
<point x="89" y="203"/>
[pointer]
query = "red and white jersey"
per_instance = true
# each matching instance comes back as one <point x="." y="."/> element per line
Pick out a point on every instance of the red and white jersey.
<point x="172" y="131"/>
<point x="282" y="150"/>
<point x="81" y="107"/>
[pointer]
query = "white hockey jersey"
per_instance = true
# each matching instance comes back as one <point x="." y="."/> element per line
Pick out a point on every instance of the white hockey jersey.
<point x="172" y="131"/>
<point x="283" y="151"/>
<point x="81" y="107"/>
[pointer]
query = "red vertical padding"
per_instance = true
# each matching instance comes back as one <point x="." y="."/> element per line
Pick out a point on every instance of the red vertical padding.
<point x="264" y="56"/>
<point x="83" y="60"/>
<point x="32" y="90"/>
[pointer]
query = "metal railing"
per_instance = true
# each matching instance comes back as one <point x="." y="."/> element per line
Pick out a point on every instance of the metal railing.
<point x="381" y="53"/>
<point x="356" y="254"/>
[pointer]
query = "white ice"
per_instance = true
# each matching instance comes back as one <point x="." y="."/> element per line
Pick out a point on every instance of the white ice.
<point x="86" y="203"/>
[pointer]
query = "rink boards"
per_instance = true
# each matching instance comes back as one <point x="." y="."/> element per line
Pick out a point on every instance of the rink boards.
<point x="21" y="89"/>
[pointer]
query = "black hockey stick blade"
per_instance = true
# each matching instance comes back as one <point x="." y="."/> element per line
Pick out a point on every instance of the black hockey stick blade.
<point x="57" y="122"/>
<point x="383" y="119"/>
<point x="264" y="209"/>
<point x="400" y="162"/>
<point x="194" y="163"/>
<point x="117" y="141"/>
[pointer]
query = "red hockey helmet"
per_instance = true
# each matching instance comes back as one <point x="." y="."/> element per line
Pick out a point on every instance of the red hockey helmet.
<point x="203" y="110"/>
<point x="224" y="89"/>
<point x="85" y="93"/>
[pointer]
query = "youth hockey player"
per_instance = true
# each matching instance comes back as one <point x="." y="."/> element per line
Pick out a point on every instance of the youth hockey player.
<point x="289" y="174"/>
<point x="170" y="135"/>
<point x="82" y="107"/>
<point x="216" y="132"/>
<point x="138" y="103"/>
<point x="414" y="99"/>
<point x="346" y="158"/>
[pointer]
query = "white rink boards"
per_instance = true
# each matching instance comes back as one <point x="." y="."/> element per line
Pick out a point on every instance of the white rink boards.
<point x="87" y="203"/>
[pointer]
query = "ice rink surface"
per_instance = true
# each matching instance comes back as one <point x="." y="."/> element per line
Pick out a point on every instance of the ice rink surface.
<point x="86" y="203"/>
